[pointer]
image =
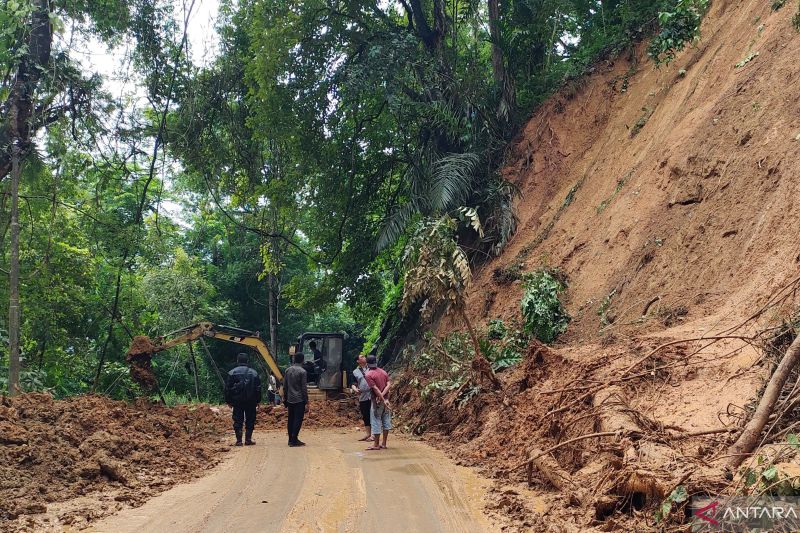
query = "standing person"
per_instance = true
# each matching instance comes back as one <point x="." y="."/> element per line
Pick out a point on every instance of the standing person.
<point x="380" y="410"/>
<point x="362" y="388"/>
<point x="319" y="362"/>
<point x="295" y="392"/>
<point x="243" y="393"/>
<point x="272" y="390"/>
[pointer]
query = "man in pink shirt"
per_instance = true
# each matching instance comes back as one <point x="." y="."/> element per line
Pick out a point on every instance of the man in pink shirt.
<point x="380" y="413"/>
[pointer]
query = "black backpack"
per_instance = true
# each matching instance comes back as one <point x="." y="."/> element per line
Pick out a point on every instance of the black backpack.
<point x="242" y="389"/>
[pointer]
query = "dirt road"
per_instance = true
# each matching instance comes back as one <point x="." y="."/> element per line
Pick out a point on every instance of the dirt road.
<point x="332" y="484"/>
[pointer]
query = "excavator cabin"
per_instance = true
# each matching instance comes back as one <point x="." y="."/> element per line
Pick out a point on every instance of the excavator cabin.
<point x="326" y="380"/>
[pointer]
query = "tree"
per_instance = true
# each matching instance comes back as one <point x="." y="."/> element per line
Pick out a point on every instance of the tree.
<point x="438" y="272"/>
<point x="21" y="101"/>
<point x="507" y="104"/>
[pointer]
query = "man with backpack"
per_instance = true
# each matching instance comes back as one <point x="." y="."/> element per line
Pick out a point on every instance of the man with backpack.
<point x="243" y="393"/>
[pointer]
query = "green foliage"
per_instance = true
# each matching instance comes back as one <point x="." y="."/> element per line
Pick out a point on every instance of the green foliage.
<point x="677" y="496"/>
<point x="678" y="26"/>
<point x="796" y="19"/>
<point x="496" y="329"/>
<point x="605" y="203"/>
<point x="748" y="58"/>
<point x="641" y="121"/>
<point x="437" y="270"/>
<point x="544" y="315"/>
<point x="766" y="476"/>
<point x="777" y="4"/>
<point x="603" y="310"/>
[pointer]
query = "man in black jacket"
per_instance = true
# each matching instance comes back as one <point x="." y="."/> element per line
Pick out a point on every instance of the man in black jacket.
<point x="243" y="393"/>
<point x="295" y="385"/>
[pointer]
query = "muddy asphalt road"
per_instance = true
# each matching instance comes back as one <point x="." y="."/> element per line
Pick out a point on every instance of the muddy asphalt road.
<point x="332" y="484"/>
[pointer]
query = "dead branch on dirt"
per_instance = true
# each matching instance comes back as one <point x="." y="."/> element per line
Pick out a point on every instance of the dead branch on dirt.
<point x="777" y="298"/>
<point x="482" y="368"/>
<point x="570" y="441"/>
<point x="689" y="434"/>
<point x="683" y="341"/>
<point x="749" y="438"/>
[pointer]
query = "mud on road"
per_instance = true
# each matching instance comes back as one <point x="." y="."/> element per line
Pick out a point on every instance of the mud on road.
<point x="332" y="484"/>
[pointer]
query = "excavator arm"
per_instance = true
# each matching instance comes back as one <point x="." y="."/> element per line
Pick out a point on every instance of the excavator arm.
<point x="223" y="333"/>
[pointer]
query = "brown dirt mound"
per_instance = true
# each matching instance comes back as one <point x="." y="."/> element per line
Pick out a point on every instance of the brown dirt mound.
<point x="552" y="397"/>
<point x="139" y="359"/>
<point x="56" y="450"/>
<point x="322" y="414"/>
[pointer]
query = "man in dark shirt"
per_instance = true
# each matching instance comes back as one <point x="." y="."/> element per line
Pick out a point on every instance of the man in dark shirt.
<point x="243" y="393"/>
<point x="295" y="385"/>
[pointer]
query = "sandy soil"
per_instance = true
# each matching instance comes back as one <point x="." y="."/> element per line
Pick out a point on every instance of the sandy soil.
<point x="332" y="484"/>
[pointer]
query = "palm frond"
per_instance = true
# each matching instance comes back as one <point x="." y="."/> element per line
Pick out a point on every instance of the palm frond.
<point x="396" y="226"/>
<point x="453" y="178"/>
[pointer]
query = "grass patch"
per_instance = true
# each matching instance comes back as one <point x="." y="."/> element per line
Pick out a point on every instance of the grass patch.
<point x="605" y="203"/>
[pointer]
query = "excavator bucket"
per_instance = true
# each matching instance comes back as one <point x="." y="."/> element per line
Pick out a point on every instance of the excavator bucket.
<point x="139" y="359"/>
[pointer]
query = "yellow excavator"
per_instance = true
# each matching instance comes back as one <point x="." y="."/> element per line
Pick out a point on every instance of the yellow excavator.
<point x="328" y="381"/>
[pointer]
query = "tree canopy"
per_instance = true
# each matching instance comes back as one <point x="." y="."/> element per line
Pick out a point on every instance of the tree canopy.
<point x="277" y="186"/>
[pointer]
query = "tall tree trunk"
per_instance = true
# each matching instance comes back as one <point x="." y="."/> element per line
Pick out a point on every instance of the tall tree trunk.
<point x="110" y="333"/>
<point x="468" y="323"/>
<point x="501" y="78"/>
<point x="13" y="306"/>
<point x="272" y="282"/>
<point x="479" y="362"/>
<point x="751" y="434"/>
<point x="18" y="124"/>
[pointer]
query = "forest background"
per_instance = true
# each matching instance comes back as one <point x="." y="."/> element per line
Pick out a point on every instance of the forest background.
<point x="273" y="186"/>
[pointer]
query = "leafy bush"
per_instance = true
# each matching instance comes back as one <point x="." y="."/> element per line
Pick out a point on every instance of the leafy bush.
<point x="503" y="346"/>
<point x="496" y="330"/>
<point x="768" y="475"/>
<point x="678" y="27"/>
<point x="544" y="315"/>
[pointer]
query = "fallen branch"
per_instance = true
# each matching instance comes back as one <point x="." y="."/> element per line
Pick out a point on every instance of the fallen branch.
<point x="682" y="341"/>
<point x="689" y="434"/>
<point x="566" y="442"/>
<point x="749" y="438"/>
<point x="556" y="476"/>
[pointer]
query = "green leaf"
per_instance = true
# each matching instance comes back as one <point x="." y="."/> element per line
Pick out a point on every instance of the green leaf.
<point x="770" y="473"/>
<point x="664" y="510"/>
<point x="679" y="495"/>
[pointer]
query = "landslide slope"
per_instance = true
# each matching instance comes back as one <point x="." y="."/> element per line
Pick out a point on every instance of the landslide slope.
<point x="670" y="198"/>
<point x="677" y="183"/>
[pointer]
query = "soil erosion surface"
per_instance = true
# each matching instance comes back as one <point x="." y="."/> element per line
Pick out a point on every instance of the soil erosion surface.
<point x="332" y="484"/>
